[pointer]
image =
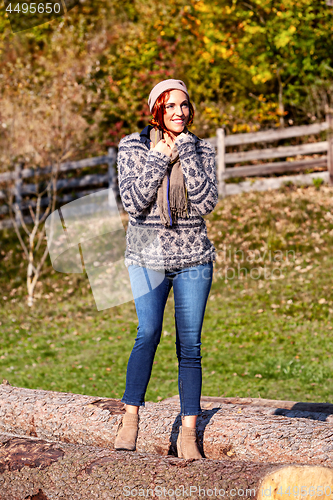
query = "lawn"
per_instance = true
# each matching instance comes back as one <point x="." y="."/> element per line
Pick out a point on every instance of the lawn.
<point x="268" y="324"/>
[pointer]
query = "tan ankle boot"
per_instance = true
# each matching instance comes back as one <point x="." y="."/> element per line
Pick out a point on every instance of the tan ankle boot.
<point x="186" y="443"/>
<point x="127" y="432"/>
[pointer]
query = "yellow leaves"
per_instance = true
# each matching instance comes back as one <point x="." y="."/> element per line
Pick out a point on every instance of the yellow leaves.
<point x="241" y="128"/>
<point x="228" y="10"/>
<point x="262" y="77"/>
<point x="206" y="56"/>
<point x="283" y="38"/>
<point x="223" y="51"/>
<point x="201" y="7"/>
<point x="215" y="115"/>
<point x="253" y="30"/>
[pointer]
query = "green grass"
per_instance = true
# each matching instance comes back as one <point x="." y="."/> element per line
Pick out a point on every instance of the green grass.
<point x="269" y="336"/>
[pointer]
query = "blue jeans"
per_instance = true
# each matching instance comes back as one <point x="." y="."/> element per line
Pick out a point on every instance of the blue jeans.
<point x="191" y="287"/>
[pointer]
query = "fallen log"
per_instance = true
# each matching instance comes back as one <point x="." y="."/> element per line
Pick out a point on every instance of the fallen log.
<point x="226" y="431"/>
<point x="326" y="408"/>
<point x="32" y="469"/>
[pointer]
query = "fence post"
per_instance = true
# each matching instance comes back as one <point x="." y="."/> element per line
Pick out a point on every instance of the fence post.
<point x="220" y="136"/>
<point x="18" y="192"/>
<point x="329" y="120"/>
<point x="112" y="176"/>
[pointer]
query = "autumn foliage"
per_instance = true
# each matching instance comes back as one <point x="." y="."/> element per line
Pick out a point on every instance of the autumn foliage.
<point x="247" y="64"/>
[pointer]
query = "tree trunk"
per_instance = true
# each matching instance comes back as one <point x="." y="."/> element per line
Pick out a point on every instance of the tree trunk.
<point x="33" y="469"/>
<point x="228" y="429"/>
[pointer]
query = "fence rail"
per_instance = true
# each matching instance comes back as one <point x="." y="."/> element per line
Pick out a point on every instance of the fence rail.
<point x="220" y="142"/>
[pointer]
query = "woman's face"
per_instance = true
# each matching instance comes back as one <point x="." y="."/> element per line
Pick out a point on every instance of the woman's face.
<point x="177" y="112"/>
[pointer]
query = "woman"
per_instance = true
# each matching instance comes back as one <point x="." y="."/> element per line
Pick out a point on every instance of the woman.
<point x="167" y="182"/>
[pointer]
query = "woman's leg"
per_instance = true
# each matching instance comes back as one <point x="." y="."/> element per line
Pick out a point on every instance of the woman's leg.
<point x="150" y="309"/>
<point x="191" y="289"/>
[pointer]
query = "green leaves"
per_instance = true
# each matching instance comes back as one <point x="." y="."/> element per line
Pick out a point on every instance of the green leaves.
<point x="236" y="57"/>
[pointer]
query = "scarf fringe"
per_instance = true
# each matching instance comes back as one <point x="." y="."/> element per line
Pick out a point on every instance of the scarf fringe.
<point x="177" y="200"/>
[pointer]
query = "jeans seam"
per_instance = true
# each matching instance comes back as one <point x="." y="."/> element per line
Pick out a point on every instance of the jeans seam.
<point x="182" y="403"/>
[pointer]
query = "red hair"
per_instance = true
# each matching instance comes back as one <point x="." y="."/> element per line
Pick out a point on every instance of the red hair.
<point x="158" y="111"/>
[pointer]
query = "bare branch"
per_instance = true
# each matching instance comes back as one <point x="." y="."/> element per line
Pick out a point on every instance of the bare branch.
<point x="43" y="192"/>
<point x="41" y="262"/>
<point x="19" y="213"/>
<point x="40" y="238"/>
<point x="32" y="213"/>
<point x="52" y="194"/>
<point x="17" y="231"/>
<point x="38" y="209"/>
<point x="45" y="214"/>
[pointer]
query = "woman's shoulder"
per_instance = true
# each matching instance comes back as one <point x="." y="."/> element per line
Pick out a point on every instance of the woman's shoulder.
<point x="201" y="144"/>
<point x="130" y="139"/>
<point x="205" y="143"/>
<point x="138" y="138"/>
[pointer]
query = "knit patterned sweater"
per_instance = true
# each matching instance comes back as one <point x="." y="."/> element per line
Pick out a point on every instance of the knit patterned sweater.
<point x="140" y="172"/>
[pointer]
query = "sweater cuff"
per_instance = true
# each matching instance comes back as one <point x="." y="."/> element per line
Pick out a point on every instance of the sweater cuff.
<point x="159" y="158"/>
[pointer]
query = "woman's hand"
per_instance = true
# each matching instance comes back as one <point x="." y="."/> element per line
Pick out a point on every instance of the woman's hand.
<point x="162" y="147"/>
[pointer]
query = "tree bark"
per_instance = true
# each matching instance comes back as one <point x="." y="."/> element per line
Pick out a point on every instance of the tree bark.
<point x="228" y="429"/>
<point x="33" y="469"/>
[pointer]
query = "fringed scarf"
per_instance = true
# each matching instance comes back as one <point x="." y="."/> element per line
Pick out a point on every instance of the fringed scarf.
<point x="172" y="193"/>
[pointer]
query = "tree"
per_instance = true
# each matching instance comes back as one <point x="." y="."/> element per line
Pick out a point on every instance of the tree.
<point x="44" y="127"/>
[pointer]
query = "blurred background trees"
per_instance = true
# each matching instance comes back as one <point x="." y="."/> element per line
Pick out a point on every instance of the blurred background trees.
<point x="248" y="64"/>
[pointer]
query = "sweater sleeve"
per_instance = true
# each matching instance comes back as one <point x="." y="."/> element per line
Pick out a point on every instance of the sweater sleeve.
<point x="198" y="166"/>
<point x="140" y="173"/>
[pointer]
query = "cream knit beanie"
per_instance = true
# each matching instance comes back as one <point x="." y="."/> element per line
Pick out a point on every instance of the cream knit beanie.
<point x="162" y="87"/>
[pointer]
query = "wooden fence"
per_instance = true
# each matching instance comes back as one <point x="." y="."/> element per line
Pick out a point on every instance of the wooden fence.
<point x="94" y="182"/>
<point x="221" y="142"/>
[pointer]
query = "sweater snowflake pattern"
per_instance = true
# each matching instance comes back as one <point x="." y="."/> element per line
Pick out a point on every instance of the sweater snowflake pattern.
<point x="140" y="172"/>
